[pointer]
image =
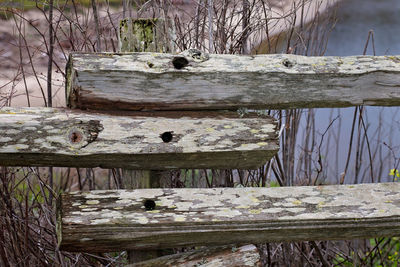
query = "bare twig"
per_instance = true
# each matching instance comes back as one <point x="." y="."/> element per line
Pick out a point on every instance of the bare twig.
<point x="96" y="24"/>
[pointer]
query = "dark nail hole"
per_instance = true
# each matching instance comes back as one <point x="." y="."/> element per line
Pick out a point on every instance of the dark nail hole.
<point x="166" y="137"/>
<point x="149" y="204"/>
<point x="287" y="63"/>
<point x="75" y="137"/>
<point x="150" y="64"/>
<point x="179" y="62"/>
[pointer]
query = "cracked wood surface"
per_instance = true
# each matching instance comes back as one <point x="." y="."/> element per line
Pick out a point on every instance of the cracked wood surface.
<point x="149" y="81"/>
<point x="59" y="137"/>
<point x="117" y="220"/>
<point x="209" y="257"/>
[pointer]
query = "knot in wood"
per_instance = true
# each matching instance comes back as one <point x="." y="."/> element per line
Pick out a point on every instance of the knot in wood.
<point x="75" y="136"/>
<point x="83" y="133"/>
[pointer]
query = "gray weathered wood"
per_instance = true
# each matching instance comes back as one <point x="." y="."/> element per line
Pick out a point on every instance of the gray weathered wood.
<point x="209" y="257"/>
<point x="146" y="35"/>
<point x="59" y="137"/>
<point x="149" y="81"/>
<point x="116" y="220"/>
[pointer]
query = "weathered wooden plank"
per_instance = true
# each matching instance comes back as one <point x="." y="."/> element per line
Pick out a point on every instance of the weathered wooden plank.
<point x="215" y="256"/>
<point x="59" y="137"/>
<point x="149" y="81"/>
<point x="117" y="220"/>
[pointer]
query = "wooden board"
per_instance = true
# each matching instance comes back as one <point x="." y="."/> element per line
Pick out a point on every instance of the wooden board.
<point x="58" y="137"/>
<point x="116" y="220"/>
<point x="149" y="81"/>
<point x="209" y="257"/>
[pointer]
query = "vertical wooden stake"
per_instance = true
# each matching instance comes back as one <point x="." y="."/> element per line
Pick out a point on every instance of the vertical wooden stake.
<point x="144" y="35"/>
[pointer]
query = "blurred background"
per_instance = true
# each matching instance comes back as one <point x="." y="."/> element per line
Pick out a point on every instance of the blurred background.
<point x="318" y="146"/>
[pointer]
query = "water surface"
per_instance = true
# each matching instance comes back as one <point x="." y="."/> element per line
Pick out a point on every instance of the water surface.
<point x="356" y="18"/>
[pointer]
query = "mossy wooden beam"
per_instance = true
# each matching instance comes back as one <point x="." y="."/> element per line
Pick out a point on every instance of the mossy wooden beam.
<point x="158" y="218"/>
<point x="59" y="137"/>
<point x="146" y="35"/>
<point x="193" y="80"/>
<point x="231" y="256"/>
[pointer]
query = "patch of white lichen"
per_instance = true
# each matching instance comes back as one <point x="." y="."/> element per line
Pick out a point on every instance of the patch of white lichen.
<point x="235" y="204"/>
<point x="293" y="64"/>
<point x="44" y="131"/>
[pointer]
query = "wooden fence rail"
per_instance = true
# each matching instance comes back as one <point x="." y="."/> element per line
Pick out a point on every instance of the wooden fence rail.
<point x="165" y="111"/>
<point x="59" y="137"/>
<point x="244" y="256"/>
<point x="192" y="80"/>
<point x="99" y="221"/>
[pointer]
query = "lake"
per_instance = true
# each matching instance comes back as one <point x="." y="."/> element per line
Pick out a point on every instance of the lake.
<point x="381" y="125"/>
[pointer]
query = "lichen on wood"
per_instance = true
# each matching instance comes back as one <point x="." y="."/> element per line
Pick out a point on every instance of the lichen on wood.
<point x="149" y="81"/>
<point x="121" y="219"/>
<point x="60" y="137"/>
<point x="146" y="35"/>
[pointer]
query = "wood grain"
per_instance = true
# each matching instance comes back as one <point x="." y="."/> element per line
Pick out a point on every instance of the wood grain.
<point x="59" y="137"/>
<point x="149" y="81"/>
<point x="118" y="220"/>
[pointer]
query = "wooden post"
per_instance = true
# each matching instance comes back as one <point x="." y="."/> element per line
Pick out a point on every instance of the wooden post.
<point x="144" y="35"/>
